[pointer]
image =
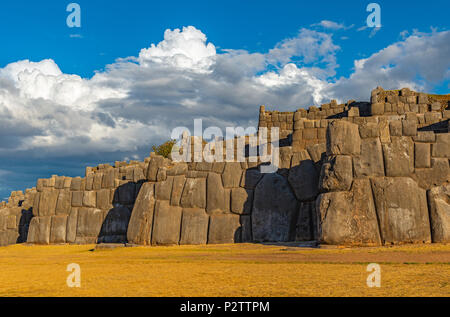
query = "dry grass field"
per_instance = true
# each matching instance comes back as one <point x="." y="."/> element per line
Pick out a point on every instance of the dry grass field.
<point x="225" y="270"/>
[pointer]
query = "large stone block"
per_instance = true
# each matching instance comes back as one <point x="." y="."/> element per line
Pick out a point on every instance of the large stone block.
<point x="336" y="174"/>
<point x="164" y="189"/>
<point x="274" y="210"/>
<point x="90" y="199"/>
<point x="216" y="200"/>
<point x="194" y="226"/>
<point x="89" y="223"/>
<point x="306" y="223"/>
<point x="77" y="199"/>
<point x="304" y="180"/>
<point x="343" y="138"/>
<point x="348" y="218"/>
<point x="438" y="174"/>
<point x="439" y="203"/>
<point x="109" y="178"/>
<point x="126" y="193"/>
<point x="241" y="201"/>
<point x="177" y="189"/>
<point x="71" y="230"/>
<point x="442" y="146"/>
<point x="402" y="210"/>
<point x="224" y="229"/>
<point x="141" y="221"/>
<point x="63" y="204"/>
<point x="194" y="193"/>
<point x="39" y="230"/>
<point x="167" y="226"/>
<point x="155" y="163"/>
<point x="246" y="229"/>
<point x="251" y="178"/>
<point x="58" y="229"/>
<point x="370" y="161"/>
<point x="232" y="175"/>
<point x="47" y="202"/>
<point x="399" y="157"/>
<point x="104" y="199"/>
<point x="422" y="155"/>
<point x="115" y="225"/>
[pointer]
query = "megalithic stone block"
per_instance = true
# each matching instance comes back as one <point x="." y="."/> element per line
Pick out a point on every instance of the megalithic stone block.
<point x="141" y="221"/>
<point x="439" y="202"/>
<point x="194" y="226"/>
<point x="274" y="210"/>
<point x="402" y="210"/>
<point x="224" y="229"/>
<point x="167" y="226"/>
<point x="348" y="218"/>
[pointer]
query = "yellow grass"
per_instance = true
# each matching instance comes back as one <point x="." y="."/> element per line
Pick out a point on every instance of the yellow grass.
<point x="226" y="270"/>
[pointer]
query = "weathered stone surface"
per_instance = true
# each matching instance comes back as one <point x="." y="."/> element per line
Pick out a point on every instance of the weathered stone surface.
<point x="167" y="226"/>
<point x="297" y="157"/>
<point x="141" y="221"/>
<point x="304" y="180"/>
<point x="98" y="181"/>
<point x="71" y="230"/>
<point x="8" y="237"/>
<point x="442" y="146"/>
<point x="224" y="228"/>
<point x="232" y="175"/>
<point x="39" y="230"/>
<point x="439" y="203"/>
<point x="194" y="226"/>
<point x="177" y="189"/>
<point x="409" y="128"/>
<point x="47" y="202"/>
<point x="422" y="155"/>
<point x="246" y="229"/>
<point x="438" y="174"/>
<point x="108" y="180"/>
<point x="370" y="161"/>
<point x="77" y="199"/>
<point x="177" y="169"/>
<point x="215" y="194"/>
<point x="348" y="218"/>
<point x="336" y="174"/>
<point x="285" y="157"/>
<point x="343" y="138"/>
<point x="317" y="151"/>
<point x="399" y="157"/>
<point x="402" y="210"/>
<point x="63" y="204"/>
<point x="194" y="193"/>
<point x="114" y="227"/>
<point x="75" y="185"/>
<point x="241" y="201"/>
<point x="251" y="178"/>
<point x="58" y="229"/>
<point x="104" y="199"/>
<point x="90" y="199"/>
<point x="89" y="222"/>
<point x="155" y="163"/>
<point x="274" y="210"/>
<point x="126" y="193"/>
<point x="306" y="223"/>
<point x="164" y="189"/>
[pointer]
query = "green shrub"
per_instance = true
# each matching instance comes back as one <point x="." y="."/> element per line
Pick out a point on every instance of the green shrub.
<point x="164" y="149"/>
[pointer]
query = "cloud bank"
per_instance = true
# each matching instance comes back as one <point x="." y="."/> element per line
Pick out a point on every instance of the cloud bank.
<point x="137" y="101"/>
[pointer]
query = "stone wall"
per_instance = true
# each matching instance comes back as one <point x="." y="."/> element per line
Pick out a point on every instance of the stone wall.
<point x="348" y="174"/>
<point x="384" y="188"/>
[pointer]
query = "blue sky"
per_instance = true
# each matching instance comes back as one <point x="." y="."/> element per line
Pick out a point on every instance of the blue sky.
<point x="37" y="30"/>
<point x="285" y="54"/>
